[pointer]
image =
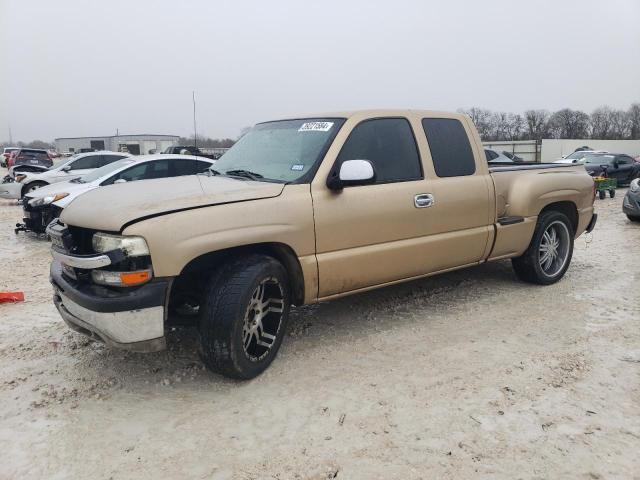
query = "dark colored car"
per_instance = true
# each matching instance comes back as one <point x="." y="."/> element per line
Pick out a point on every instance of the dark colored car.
<point x="30" y="156"/>
<point x="620" y="166"/>
<point x="631" y="202"/>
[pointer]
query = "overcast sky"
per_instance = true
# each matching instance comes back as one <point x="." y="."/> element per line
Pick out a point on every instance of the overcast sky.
<point x="77" y="67"/>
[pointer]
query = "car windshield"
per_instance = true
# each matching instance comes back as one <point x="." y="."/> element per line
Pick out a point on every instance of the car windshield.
<point x="576" y="156"/>
<point x="282" y="151"/>
<point x="598" y="159"/>
<point x="105" y="170"/>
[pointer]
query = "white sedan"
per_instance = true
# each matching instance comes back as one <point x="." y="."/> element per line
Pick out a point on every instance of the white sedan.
<point x="72" y="168"/>
<point x="43" y="205"/>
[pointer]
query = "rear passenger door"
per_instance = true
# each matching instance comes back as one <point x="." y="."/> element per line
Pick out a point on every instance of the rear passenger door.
<point x="464" y="201"/>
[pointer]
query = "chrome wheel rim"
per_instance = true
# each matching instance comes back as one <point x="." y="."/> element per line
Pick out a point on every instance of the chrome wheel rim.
<point x="262" y="319"/>
<point x="554" y="248"/>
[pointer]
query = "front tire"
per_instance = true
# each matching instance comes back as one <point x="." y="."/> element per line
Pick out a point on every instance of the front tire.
<point x="244" y="316"/>
<point x="550" y="251"/>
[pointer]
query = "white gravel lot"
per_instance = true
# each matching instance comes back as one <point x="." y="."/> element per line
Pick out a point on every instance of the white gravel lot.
<point x="471" y="374"/>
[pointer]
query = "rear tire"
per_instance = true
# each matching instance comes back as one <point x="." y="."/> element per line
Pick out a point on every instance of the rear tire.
<point x="602" y="194"/>
<point x="549" y="254"/>
<point x="612" y="193"/>
<point x="244" y="316"/>
<point x="633" y="218"/>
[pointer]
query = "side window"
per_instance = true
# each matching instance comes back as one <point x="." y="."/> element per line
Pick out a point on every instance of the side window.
<point x="450" y="148"/>
<point x="202" y="166"/>
<point x="183" y="167"/>
<point x="137" y="172"/>
<point x="107" y="159"/>
<point x="157" y="169"/>
<point x="91" y="161"/>
<point x="389" y="144"/>
<point x="623" y="160"/>
<point x="490" y="154"/>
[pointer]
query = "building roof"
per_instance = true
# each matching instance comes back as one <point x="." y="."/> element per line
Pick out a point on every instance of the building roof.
<point x="118" y="136"/>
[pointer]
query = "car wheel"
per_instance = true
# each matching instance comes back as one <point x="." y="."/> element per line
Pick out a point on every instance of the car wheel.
<point x="32" y="187"/>
<point x="633" y="218"/>
<point x="550" y="251"/>
<point x="244" y="315"/>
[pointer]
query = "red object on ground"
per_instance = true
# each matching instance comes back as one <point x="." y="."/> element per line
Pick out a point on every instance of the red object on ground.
<point x="10" y="297"/>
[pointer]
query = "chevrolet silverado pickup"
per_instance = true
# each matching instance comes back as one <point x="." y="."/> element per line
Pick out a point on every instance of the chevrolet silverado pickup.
<point x="299" y="211"/>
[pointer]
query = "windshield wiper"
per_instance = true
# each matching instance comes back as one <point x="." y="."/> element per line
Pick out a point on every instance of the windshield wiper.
<point x="76" y="180"/>
<point x="244" y="173"/>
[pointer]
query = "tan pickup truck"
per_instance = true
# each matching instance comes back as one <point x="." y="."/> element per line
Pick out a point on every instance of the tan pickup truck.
<point x="300" y="211"/>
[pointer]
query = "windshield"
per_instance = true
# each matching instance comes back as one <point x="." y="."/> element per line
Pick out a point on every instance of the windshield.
<point x="576" y="156"/>
<point x="58" y="166"/>
<point x="282" y="151"/>
<point x="597" y="159"/>
<point x="107" y="169"/>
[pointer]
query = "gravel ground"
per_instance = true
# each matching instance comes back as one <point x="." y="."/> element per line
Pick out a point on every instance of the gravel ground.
<point x="471" y="374"/>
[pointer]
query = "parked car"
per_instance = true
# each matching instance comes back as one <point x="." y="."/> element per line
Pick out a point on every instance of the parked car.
<point x="192" y="150"/>
<point x="300" y="211"/>
<point x="578" y="156"/>
<point x="622" y="167"/>
<point x="631" y="202"/>
<point x="6" y="153"/>
<point x="43" y="205"/>
<point x="72" y="168"/>
<point x="494" y="156"/>
<point x="30" y="156"/>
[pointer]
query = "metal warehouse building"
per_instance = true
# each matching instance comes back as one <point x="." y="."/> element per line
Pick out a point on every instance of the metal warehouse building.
<point x="135" y="144"/>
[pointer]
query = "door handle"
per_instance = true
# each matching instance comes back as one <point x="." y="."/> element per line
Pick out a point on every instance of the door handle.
<point x="423" y="200"/>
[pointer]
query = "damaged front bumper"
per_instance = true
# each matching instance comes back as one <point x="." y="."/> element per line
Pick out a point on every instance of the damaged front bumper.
<point x="131" y="320"/>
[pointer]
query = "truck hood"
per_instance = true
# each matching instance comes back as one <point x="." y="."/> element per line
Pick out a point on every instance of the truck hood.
<point x="109" y="208"/>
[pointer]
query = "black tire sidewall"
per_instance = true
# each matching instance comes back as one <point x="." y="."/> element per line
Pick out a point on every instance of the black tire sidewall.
<point x="222" y="325"/>
<point x="254" y="368"/>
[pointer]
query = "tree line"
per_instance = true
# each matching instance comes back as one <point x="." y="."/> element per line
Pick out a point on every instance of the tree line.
<point x="604" y="123"/>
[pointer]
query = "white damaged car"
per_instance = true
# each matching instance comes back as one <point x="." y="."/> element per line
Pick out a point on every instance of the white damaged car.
<point x="44" y="204"/>
<point x="74" y="167"/>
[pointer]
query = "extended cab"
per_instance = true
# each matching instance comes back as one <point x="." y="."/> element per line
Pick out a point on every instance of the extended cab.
<point x="300" y="211"/>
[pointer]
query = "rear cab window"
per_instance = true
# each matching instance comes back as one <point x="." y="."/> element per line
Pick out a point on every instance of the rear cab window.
<point x="451" y="151"/>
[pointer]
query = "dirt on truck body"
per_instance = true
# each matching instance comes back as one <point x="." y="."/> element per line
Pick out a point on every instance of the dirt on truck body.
<point x="300" y="211"/>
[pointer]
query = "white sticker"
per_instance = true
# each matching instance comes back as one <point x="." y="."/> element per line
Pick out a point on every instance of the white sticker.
<point x="297" y="166"/>
<point x="316" y="127"/>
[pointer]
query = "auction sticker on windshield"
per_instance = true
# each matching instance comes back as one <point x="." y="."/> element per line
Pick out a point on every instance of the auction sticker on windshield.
<point x="316" y="127"/>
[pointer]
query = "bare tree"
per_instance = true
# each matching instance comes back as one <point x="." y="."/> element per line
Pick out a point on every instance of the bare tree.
<point x="567" y="123"/>
<point x="601" y="123"/>
<point x="620" y="125"/>
<point x="481" y="118"/>
<point x="537" y="123"/>
<point x="633" y="115"/>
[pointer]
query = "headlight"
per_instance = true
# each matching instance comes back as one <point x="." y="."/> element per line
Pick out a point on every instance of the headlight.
<point x="121" y="279"/>
<point x="38" y="202"/>
<point x="635" y="185"/>
<point x="20" y="177"/>
<point x="132" y="246"/>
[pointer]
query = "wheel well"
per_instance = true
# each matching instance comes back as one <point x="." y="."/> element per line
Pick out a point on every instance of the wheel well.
<point x="195" y="274"/>
<point x="568" y="208"/>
